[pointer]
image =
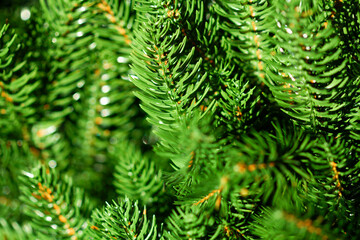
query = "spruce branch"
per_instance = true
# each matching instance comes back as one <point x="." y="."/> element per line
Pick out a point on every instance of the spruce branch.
<point x="17" y="85"/>
<point x="123" y="220"/>
<point x="191" y="222"/>
<point x="137" y="177"/>
<point x="307" y="63"/>
<point x="57" y="208"/>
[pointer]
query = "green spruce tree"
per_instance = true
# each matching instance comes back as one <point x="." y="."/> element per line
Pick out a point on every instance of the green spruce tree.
<point x="180" y="119"/>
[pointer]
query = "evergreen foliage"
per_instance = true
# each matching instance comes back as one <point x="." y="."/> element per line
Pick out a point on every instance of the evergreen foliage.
<point x="182" y="119"/>
<point x="54" y="204"/>
<point x="123" y="220"/>
<point x="137" y="176"/>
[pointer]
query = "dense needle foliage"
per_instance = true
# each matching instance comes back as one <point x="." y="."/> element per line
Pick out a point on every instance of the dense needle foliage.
<point x="181" y="119"/>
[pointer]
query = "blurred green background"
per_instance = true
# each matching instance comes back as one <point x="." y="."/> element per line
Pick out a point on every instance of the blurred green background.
<point x="10" y="10"/>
